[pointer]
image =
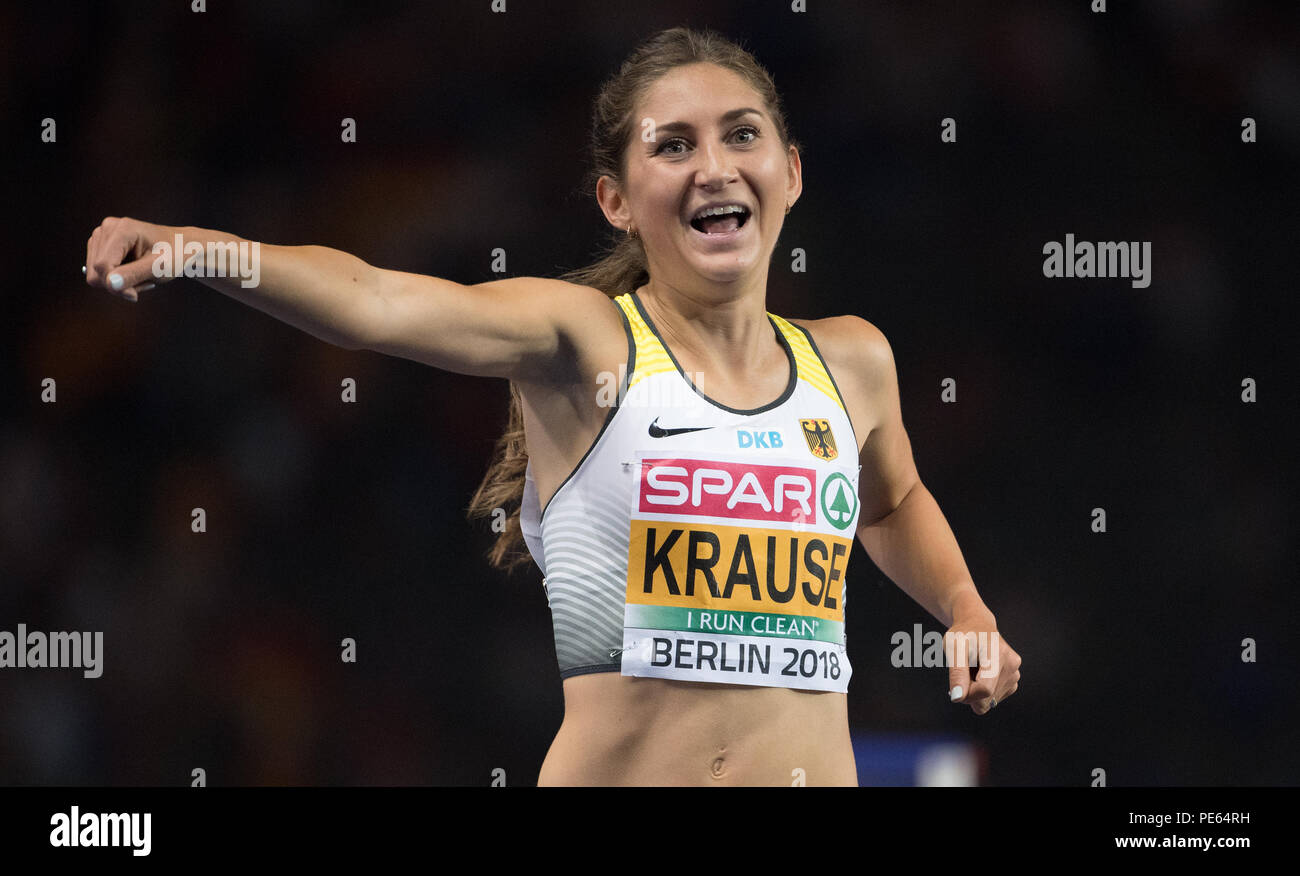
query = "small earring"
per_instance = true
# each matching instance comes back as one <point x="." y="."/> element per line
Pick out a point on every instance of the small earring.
<point x="787" y="209"/>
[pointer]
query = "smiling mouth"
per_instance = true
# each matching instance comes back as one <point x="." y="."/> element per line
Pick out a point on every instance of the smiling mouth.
<point x="725" y="224"/>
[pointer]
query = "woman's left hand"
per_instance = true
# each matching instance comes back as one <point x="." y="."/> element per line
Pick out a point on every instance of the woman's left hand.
<point x="983" y="670"/>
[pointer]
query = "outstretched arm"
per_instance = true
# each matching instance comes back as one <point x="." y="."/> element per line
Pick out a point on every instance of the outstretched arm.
<point x="509" y="328"/>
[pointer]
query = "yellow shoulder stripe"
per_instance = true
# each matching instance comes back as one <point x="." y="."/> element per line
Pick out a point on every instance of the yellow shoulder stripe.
<point x="809" y="363"/>
<point x="651" y="357"/>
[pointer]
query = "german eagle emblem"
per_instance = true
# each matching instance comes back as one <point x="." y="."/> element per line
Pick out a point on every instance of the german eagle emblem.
<point x="821" y="442"/>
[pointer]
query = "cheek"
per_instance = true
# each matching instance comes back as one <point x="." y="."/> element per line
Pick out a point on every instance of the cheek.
<point x="773" y="163"/>
<point x="654" y="203"/>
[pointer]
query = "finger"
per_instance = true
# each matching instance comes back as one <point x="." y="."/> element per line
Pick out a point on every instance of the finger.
<point x="1007" y="680"/>
<point x="991" y="648"/>
<point x="88" y="268"/>
<point x="983" y="685"/>
<point x="1012" y="687"/>
<point x="981" y="695"/>
<point x="958" y="680"/>
<point x="1005" y="685"/>
<point x="127" y="279"/>
<point x="107" y="249"/>
<point x="957" y="653"/>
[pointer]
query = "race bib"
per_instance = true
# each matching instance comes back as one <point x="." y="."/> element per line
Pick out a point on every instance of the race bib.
<point x="736" y="571"/>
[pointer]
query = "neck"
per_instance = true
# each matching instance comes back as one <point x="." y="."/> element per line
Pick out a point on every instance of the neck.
<point x="726" y="328"/>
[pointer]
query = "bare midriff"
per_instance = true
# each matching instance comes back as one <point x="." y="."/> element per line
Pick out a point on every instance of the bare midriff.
<point x="619" y="730"/>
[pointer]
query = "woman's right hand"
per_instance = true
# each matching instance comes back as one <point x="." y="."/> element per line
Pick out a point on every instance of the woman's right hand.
<point x="119" y="256"/>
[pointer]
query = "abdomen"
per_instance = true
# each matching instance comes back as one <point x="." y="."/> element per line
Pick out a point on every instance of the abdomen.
<point x="620" y="730"/>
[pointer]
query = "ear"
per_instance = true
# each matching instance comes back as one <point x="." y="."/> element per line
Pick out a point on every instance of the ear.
<point x="612" y="203"/>
<point x="794" y="176"/>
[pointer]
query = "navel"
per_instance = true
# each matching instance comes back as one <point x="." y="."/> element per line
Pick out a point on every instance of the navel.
<point x="718" y="768"/>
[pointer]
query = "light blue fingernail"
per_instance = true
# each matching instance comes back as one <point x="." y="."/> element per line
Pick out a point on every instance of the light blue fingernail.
<point x="115" y="280"/>
<point x="955" y="693"/>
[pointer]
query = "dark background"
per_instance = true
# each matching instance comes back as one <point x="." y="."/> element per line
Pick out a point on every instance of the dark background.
<point x="328" y="520"/>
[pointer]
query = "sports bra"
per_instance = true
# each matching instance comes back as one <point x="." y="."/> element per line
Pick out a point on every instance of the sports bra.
<point x="698" y="542"/>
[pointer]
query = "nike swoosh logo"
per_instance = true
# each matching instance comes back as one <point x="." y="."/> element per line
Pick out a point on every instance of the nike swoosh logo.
<point x="658" y="432"/>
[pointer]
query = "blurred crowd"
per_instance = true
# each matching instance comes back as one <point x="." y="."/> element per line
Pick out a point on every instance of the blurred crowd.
<point x="327" y="520"/>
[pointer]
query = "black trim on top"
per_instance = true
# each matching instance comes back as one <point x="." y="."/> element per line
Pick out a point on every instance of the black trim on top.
<point x="589" y="669"/>
<point x="609" y="417"/>
<point x="780" y="336"/>
<point x="807" y="334"/>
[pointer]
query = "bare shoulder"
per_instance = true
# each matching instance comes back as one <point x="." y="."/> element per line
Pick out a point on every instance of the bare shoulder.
<point x="851" y="342"/>
<point x="860" y="360"/>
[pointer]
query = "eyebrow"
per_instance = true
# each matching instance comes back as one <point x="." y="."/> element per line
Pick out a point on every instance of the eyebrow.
<point x="725" y="117"/>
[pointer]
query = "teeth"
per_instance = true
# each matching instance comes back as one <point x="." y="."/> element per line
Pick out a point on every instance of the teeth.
<point x="719" y="211"/>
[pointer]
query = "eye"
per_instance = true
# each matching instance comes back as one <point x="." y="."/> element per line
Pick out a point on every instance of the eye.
<point x="750" y="128"/>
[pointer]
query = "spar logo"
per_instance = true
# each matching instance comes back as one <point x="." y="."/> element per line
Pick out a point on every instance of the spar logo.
<point x="839" y="501"/>
<point x="738" y="490"/>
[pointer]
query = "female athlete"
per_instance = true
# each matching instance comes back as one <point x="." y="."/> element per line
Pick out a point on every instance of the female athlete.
<point x="679" y="462"/>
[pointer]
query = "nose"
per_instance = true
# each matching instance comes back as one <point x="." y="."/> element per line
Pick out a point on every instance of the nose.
<point x="716" y="167"/>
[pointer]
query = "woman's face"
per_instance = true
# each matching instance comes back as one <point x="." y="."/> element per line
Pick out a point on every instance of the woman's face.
<point x="694" y="144"/>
